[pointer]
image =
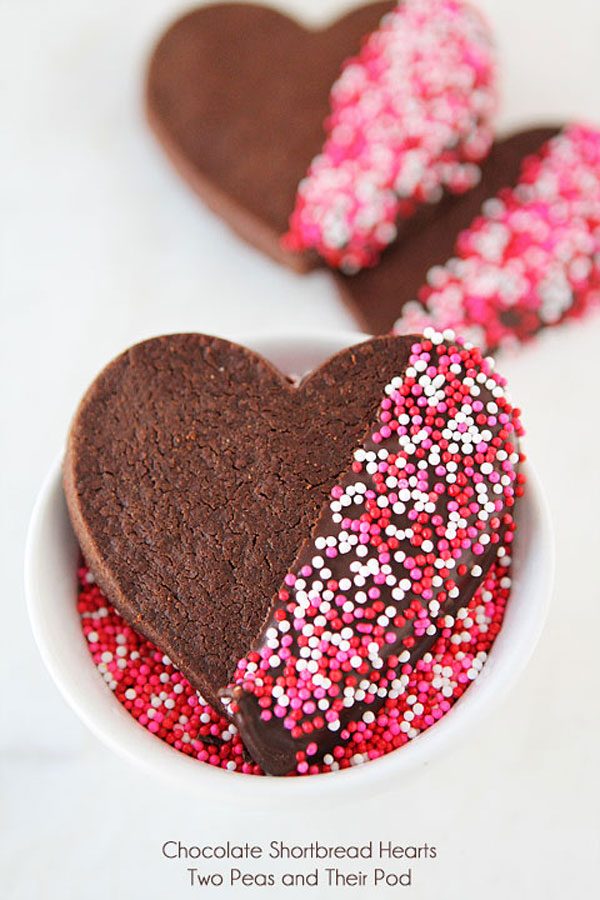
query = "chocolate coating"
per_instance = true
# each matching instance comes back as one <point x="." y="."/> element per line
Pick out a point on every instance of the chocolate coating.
<point x="272" y="746"/>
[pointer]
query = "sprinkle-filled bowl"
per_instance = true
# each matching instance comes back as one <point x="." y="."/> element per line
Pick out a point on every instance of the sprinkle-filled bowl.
<point x="51" y="582"/>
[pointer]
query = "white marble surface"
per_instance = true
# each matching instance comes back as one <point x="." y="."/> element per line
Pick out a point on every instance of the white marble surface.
<point x="101" y="245"/>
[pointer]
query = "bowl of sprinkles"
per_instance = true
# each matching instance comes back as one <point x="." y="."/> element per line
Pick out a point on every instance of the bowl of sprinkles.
<point x="132" y="697"/>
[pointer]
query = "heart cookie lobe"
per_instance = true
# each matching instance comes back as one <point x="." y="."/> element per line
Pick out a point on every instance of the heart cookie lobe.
<point x="237" y="95"/>
<point x="423" y="510"/>
<point x="194" y="472"/>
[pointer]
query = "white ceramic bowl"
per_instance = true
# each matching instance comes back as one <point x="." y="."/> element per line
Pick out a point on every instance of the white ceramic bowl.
<point x="50" y="574"/>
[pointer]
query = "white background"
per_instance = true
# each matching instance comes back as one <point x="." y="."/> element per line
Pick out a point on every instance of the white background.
<point x="101" y="246"/>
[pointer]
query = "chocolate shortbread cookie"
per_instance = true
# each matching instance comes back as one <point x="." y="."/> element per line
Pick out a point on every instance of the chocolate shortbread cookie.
<point x="237" y="94"/>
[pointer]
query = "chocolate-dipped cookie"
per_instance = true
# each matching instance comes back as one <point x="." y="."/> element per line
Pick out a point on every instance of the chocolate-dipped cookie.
<point x="315" y="143"/>
<point x="237" y="94"/>
<point x="376" y="495"/>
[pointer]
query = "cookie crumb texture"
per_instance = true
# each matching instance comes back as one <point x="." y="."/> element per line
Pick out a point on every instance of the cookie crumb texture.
<point x="157" y="694"/>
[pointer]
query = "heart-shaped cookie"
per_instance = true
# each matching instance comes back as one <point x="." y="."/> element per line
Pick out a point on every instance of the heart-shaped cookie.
<point x="237" y="94"/>
<point x="194" y="472"/>
<point x="374" y="495"/>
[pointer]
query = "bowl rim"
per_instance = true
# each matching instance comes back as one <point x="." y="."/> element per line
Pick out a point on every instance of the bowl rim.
<point x="117" y="729"/>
